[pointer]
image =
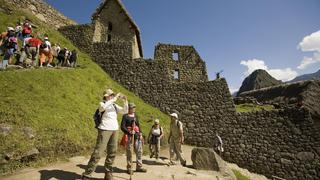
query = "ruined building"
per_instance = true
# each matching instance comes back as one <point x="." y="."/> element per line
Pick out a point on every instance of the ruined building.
<point x="176" y="79"/>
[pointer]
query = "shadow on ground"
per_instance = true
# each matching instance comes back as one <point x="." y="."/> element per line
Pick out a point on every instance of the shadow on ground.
<point x="100" y="169"/>
<point x="59" y="174"/>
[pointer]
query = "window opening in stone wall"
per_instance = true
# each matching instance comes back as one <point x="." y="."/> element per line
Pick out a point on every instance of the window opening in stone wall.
<point x="176" y="74"/>
<point x="109" y="26"/>
<point x="175" y="55"/>
<point x="109" y="38"/>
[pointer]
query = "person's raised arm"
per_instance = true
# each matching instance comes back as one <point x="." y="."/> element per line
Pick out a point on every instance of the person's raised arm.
<point x="103" y="105"/>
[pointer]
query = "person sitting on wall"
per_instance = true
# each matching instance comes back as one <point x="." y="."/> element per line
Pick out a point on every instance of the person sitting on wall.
<point x="154" y="137"/>
<point x="176" y="139"/>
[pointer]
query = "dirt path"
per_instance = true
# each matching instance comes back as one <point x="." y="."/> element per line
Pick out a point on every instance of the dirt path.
<point x="157" y="169"/>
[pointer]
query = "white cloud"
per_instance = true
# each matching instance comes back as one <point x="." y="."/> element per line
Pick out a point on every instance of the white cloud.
<point x="307" y="61"/>
<point x="252" y="65"/>
<point x="286" y="74"/>
<point x="310" y="43"/>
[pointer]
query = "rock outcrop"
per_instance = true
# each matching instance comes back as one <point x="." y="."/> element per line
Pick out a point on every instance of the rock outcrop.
<point x="44" y="12"/>
<point x="207" y="159"/>
<point x="257" y="80"/>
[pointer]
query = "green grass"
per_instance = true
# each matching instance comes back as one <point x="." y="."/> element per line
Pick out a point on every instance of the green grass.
<point x="239" y="175"/>
<point x="57" y="103"/>
<point x="253" y="108"/>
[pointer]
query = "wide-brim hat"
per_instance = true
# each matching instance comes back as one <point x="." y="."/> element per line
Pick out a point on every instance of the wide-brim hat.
<point x="174" y="115"/>
<point x="132" y="105"/>
<point x="10" y="29"/>
<point x="108" y="92"/>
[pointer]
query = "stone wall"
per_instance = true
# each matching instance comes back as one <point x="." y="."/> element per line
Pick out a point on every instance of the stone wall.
<point x="285" y="143"/>
<point x="307" y="93"/>
<point x="44" y="12"/>
<point x="80" y="35"/>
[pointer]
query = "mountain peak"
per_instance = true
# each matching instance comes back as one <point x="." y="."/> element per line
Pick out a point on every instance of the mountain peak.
<point x="258" y="79"/>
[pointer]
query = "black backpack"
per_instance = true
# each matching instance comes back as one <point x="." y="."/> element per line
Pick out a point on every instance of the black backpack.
<point x="43" y="45"/>
<point x="98" y="116"/>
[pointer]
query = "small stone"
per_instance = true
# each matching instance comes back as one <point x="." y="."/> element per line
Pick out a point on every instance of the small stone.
<point x="5" y="129"/>
<point x="305" y="156"/>
<point x="28" y="131"/>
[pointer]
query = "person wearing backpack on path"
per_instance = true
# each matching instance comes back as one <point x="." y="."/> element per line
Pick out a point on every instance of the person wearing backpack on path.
<point x="107" y="134"/>
<point x="154" y="137"/>
<point x="176" y="139"/>
<point x="130" y="126"/>
<point x="45" y="52"/>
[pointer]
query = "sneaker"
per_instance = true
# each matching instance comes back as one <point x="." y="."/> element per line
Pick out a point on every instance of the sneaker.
<point x="49" y="65"/>
<point x="108" y="176"/>
<point x="140" y="169"/>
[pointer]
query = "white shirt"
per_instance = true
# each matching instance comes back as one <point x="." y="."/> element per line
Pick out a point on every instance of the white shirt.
<point x="109" y="118"/>
<point x="48" y="45"/>
<point x="26" y="41"/>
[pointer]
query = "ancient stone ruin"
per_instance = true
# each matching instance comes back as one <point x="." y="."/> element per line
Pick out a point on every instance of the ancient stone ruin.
<point x="283" y="142"/>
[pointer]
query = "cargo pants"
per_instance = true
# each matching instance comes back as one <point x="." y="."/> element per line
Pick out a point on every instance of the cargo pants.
<point x="106" y="140"/>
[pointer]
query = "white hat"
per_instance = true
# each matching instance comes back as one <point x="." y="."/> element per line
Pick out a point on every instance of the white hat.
<point x="108" y="92"/>
<point x="156" y="121"/>
<point x="174" y="115"/>
<point x="46" y="38"/>
<point x="10" y="29"/>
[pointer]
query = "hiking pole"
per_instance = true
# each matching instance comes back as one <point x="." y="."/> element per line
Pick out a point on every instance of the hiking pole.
<point x="132" y="139"/>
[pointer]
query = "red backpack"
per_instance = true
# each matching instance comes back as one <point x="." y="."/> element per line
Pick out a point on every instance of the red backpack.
<point x="26" y="30"/>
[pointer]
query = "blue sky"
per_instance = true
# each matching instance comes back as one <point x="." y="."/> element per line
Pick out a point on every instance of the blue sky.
<point x="236" y="36"/>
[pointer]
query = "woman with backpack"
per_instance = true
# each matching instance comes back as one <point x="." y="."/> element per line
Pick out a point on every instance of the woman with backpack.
<point x="154" y="137"/>
<point x="45" y="52"/>
<point x="107" y="138"/>
<point x="10" y="45"/>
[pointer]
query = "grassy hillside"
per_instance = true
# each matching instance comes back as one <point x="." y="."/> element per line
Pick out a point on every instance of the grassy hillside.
<point x="57" y="104"/>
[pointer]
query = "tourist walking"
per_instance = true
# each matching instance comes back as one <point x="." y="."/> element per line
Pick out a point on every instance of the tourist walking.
<point x="10" y="45"/>
<point x="33" y="47"/>
<point x="107" y="134"/>
<point x="45" y="52"/>
<point x="130" y="126"/>
<point x="176" y="139"/>
<point x="154" y="137"/>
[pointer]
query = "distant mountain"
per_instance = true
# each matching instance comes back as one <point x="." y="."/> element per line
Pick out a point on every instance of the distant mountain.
<point x="305" y="77"/>
<point x="257" y="80"/>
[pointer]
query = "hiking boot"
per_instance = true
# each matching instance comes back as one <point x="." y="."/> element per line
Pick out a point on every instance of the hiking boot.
<point x="85" y="177"/>
<point x="108" y="176"/>
<point x="184" y="163"/>
<point x="129" y="171"/>
<point x="140" y="169"/>
<point x="151" y="155"/>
